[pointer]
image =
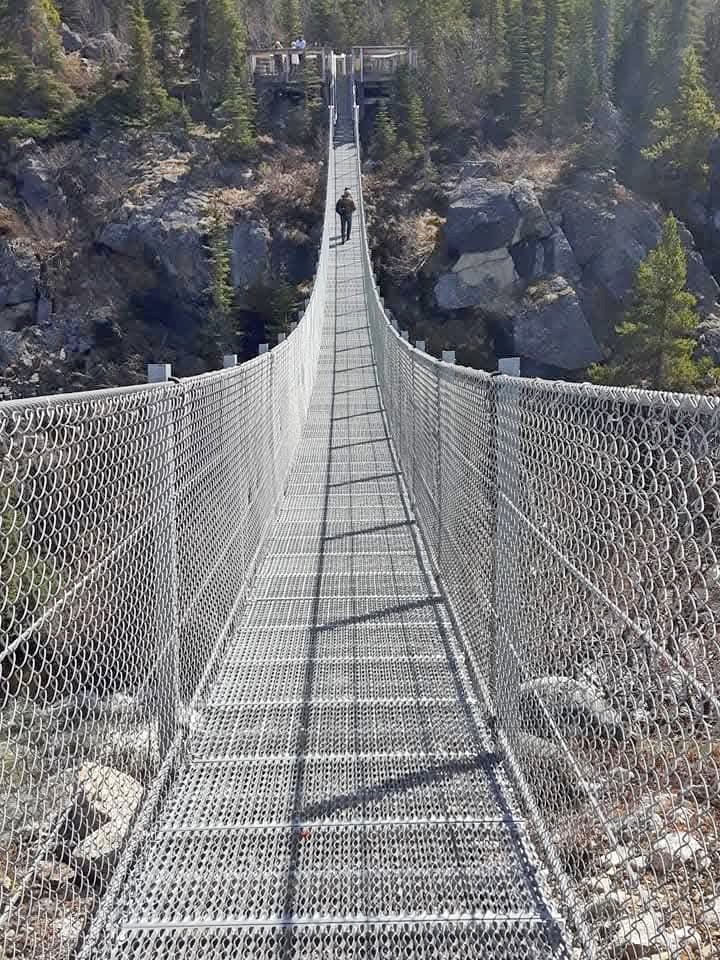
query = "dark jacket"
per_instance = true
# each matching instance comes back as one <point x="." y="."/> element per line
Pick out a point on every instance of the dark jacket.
<point x="345" y="206"/>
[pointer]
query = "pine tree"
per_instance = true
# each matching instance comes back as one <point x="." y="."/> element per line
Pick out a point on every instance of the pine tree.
<point x="415" y="128"/>
<point x="320" y="21"/>
<point x="218" y="332"/>
<point x="384" y="140"/>
<point x="582" y="76"/>
<point x="163" y="15"/>
<point x="634" y="64"/>
<point x="686" y="128"/>
<point x="223" y="46"/>
<point x="602" y="33"/>
<point x="144" y="92"/>
<point x="525" y="27"/>
<point x="655" y="346"/>
<point x="555" y="53"/>
<point x="711" y="49"/>
<point x="533" y="21"/>
<point x="237" y="136"/>
<point x="282" y="304"/>
<point x="495" y="62"/>
<point x="289" y="20"/>
<point x="678" y="30"/>
<point x="515" y="90"/>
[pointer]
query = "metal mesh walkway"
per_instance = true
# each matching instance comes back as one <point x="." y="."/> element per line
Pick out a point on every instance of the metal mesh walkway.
<point x="340" y="799"/>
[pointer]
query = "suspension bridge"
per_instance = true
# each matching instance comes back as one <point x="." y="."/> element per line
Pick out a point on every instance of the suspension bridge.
<point x="350" y="652"/>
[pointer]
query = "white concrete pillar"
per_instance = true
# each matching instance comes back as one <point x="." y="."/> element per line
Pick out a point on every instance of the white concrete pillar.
<point x="510" y="366"/>
<point x="448" y="356"/>
<point x="159" y="372"/>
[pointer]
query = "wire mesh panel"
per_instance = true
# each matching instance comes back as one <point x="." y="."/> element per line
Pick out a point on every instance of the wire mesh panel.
<point x="132" y="522"/>
<point x="576" y="531"/>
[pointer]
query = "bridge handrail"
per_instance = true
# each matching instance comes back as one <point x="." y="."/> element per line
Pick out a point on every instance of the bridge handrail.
<point x="575" y="530"/>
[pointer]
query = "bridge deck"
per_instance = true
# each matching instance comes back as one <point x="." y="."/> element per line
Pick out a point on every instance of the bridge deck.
<point x="341" y="799"/>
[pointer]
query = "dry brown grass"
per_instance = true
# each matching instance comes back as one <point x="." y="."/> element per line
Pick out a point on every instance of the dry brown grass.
<point x="11" y="226"/>
<point x="415" y="240"/>
<point x="531" y="156"/>
<point x="79" y="76"/>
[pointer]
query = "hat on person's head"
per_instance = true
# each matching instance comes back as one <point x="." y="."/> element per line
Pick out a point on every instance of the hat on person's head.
<point x="347" y="189"/>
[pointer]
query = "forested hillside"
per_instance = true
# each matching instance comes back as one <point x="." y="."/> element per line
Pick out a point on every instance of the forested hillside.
<point x="151" y="203"/>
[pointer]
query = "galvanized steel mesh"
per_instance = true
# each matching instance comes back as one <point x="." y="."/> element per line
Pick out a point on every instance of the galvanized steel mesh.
<point x="246" y="706"/>
<point x="132" y="523"/>
<point x="576" y="532"/>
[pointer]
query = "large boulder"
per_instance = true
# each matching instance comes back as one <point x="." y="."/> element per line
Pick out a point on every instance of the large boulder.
<point x="611" y="231"/>
<point x="535" y="258"/>
<point x="293" y="254"/>
<point x="19" y="272"/>
<point x="576" y="706"/>
<point x="550" y="327"/>
<point x="249" y="253"/>
<point x="533" y="221"/>
<point x="482" y="216"/>
<point x="482" y="279"/>
<point x="71" y="40"/>
<point x="168" y="235"/>
<point x="35" y="184"/>
<point x="107" y="48"/>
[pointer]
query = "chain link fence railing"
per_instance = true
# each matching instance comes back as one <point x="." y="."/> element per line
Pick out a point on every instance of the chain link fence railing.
<point x="576" y="531"/>
<point x="132" y="521"/>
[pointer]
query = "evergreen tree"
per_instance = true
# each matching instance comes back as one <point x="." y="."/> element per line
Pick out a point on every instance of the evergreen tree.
<point x="515" y="90"/>
<point x="237" y="136"/>
<point x="320" y="21"/>
<point x="144" y="92"/>
<point x="634" y="65"/>
<point x="678" y="29"/>
<point x="655" y="346"/>
<point x="218" y="334"/>
<point x="222" y="47"/>
<point x="602" y="33"/>
<point x="289" y="20"/>
<point x="495" y="65"/>
<point x="555" y="54"/>
<point x="711" y="49"/>
<point x="163" y="15"/>
<point x="533" y="24"/>
<point x="686" y="127"/>
<point x="282" y="304"/>
<point x="582" y="76"/>
<point x="384" y="140"/>
<point x="415" y="129"/>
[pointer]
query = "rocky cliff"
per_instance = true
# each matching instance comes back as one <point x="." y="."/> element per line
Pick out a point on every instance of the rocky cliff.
<point x="547" y="266"/>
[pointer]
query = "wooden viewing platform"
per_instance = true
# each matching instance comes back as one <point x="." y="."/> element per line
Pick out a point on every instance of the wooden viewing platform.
<point x="315" y="65"/>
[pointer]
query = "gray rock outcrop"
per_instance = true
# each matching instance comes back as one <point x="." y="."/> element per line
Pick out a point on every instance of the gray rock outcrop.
<point x="249" y="253"/>
<point x="611" y="231"/>
<point x="483" y="277"/>
<point x="482" y="216"/>
<point x="19" y="274"/>
<point x="169" y="236"/>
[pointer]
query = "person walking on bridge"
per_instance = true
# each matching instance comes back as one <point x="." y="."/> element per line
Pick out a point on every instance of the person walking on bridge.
<point x="345" y="208"/>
